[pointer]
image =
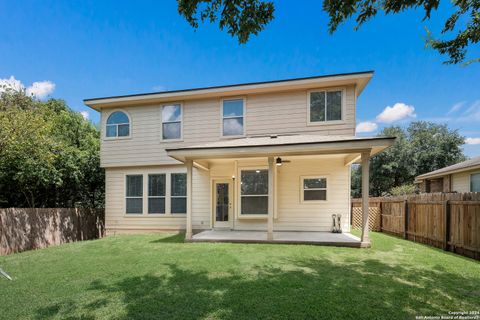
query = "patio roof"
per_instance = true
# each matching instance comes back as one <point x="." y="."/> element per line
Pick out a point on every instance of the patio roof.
<point x="281" y="145"/>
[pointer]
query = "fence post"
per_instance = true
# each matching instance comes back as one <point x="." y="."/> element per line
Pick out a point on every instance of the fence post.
<point x="446" y="235"/>
<point x="351" y="212"/>
<point x="405" y="229"/>
<point x="381" y="215"/>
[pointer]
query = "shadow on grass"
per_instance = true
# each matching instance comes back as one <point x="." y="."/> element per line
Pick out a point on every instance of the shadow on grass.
<point x="176" y="238"/>
<point x="310" y="289"/>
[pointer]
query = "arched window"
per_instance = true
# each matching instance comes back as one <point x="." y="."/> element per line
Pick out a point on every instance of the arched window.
<point x="118" y="125"/>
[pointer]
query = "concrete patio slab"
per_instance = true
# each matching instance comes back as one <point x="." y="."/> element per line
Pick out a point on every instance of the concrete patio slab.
<point x="285" y="237"/>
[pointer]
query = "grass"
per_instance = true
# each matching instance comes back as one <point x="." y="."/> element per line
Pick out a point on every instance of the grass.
<point x="160" y="277"/>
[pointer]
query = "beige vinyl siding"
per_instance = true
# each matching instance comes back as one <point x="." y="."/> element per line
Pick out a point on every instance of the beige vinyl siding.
<point x="292" y="214"/>
<point x="461" y="181"/>
<point x="226" y="169"/>
<point x="272" y="113"/>
<point x="201" y="202"/>
<point x="116" y="221"/>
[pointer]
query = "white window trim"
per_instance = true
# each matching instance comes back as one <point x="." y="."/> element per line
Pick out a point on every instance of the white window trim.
<point x="168" y="172"/>
<point x="125" y="197"/>
<point x="325" y="122"/>
<point x="302" y="189"/>
<point x="239" y="194"/>
<point x="162" y="122"/>
<point x="244" y="117"/>
<point x="181" y="214"/>
<point x="156" y="197"/>
<point x="470" y="180"/>
<point x="104" y="126"/>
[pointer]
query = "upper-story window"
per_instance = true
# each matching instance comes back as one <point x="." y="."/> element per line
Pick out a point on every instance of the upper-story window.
<point x="325" y="105"/>
<point x="118" y="125"/>
<point x="172" y="122"/>
<point x="233" y="115"/>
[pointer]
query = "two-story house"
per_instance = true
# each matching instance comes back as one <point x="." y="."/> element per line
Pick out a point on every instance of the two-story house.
<point x="268" y="156"/>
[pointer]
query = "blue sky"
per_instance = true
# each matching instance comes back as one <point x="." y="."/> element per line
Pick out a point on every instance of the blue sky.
<point x="100" y="48"/>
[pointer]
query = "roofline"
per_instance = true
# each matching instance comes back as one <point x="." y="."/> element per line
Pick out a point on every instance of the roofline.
<point x="357" y="146"/>
<point x="97" y="103"/>
<point x="279" y="145"/>
<point x="446" y="173"/>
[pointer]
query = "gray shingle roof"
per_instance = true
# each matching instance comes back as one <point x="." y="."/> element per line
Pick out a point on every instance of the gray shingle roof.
<point x="277" y="140"/>
<point x="459" y="166"/>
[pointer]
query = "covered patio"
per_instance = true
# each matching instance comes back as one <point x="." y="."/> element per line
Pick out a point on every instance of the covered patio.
<point x="285" y="237"/>
<point x="282" y="220"/>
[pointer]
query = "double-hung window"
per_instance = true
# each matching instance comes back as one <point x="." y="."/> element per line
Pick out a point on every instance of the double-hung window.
<point x="233" y="117"/>
<point x="314" y="189"/>
<point x="475" y="182"/>
<point x="172" y="122"/>
<point x="325" y="106"/>
<point x="156" y="193"/>
<point x="178" y="193"/>
<point x="134" y="194"/>
<point x="254" y="192"/>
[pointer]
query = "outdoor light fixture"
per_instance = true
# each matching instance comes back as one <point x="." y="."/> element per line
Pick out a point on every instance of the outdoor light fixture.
<point x="278" y="162"/>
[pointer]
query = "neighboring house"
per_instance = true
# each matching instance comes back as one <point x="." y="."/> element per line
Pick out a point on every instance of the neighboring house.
<point x="460" y="177"/>
<point x="258" y="156"/>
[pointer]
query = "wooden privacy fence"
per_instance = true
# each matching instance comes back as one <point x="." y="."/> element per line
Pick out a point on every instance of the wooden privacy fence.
<point x="450" y="221"/>
<point x="29" y="228"/>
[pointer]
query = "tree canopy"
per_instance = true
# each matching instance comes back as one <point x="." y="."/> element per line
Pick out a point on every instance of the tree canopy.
<point x="49" y="155"/>
<point x="243" y="18"/>
<point x="420" y="148"/>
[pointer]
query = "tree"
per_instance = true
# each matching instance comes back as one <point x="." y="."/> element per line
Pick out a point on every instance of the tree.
<point x="420" y="148"/>
<point x="243" y="18"/>
<point x="27" y="156"/>
<point x="403" y="190"/>
<point x="49" y="155"/>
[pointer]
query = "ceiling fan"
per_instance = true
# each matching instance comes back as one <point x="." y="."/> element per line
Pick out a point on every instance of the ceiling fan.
<point x="279" y="161"/>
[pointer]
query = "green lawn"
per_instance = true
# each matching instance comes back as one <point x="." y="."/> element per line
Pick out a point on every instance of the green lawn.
<point x="160" y="277"/>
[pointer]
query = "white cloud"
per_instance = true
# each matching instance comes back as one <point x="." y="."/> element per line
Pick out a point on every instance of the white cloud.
<point x="367" y="126"/>
<point x="398" y="112"/>
<point x="457" y="106"/>
<point x="159" y="88"/>
<point x="41" y="89"/>
<point x="472" y="140"/>
<point x="472" y="114"/>
<point x="85" y="115"/>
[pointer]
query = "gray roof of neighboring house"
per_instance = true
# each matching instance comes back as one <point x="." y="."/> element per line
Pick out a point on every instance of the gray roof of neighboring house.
<point x="462" y="166"/>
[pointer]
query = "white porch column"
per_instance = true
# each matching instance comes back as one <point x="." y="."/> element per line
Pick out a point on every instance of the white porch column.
<point x="188" y="231"/>
<point x="271" y="201"/>
<point x="365" y="193"/>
